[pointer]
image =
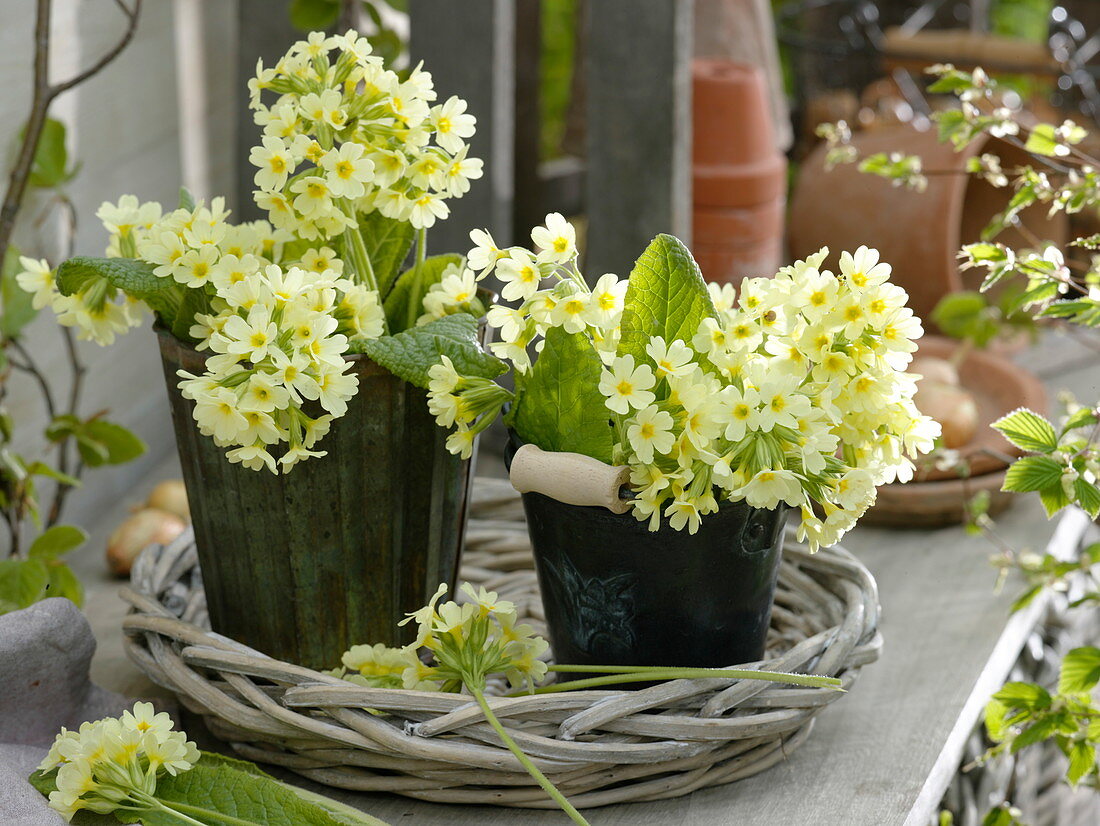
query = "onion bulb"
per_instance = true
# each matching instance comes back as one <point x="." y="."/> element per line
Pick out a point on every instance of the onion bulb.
<point x="170" y="495"/>
<point x="146" y="527"/>
<point x="935" y="369"/>
<point x="953" y="407"/>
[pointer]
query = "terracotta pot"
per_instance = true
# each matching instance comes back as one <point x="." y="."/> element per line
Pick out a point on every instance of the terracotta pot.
<point x="301" y="566"/>
<point x="918" y="233"/>
<point x="739" y="177"/>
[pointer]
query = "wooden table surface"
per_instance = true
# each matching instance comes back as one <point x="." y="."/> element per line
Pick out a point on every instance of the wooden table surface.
<point x="882" y="755"/>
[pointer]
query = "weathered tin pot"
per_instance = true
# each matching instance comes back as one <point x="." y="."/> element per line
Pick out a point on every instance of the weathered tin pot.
<point x="615" y="593"/>
<point x="301" y="566"/>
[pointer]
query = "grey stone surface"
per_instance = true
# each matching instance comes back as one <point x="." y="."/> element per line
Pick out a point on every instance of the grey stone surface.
<point x="20" y="803"/>
<point x="45" y="651"/>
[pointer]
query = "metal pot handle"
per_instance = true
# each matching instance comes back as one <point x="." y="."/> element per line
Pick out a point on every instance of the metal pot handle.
<point x="570" y="478"/>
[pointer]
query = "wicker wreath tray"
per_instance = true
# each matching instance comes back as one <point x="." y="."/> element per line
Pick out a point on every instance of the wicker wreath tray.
<point x="599" y="747"/>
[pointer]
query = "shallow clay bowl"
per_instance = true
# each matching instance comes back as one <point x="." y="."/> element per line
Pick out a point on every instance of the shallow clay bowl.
<point x="934" y="504"/>
<point x="998" y="387"/>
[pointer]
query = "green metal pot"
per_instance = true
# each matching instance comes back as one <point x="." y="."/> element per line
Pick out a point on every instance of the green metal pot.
<point x="304" y="565"/>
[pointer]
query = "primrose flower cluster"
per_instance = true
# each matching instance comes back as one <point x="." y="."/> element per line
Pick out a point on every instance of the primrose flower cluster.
<point x="347" y="136"/>
<point x="114" y="763"/>
<point x="792" y="392"/>
<point x="277" y="330"/>
<point x="276" y="306"/>
<point x="470" y="403"/>
<point x="468" y="642"/>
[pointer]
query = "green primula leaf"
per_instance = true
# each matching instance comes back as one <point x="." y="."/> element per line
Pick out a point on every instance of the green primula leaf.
<point x="313" y="15"/>
<point x="1028" y="431"/>
<point x="410" y="353"/>
<point x="16" y="304"/>
<point x="186" y="200"/>
<point x="1032" y="473"/>
<point x="51" y="158"/>
<point x="560" y="407"/>
<point x="194" y="302"/>
<point x="55" y="541"/>
<point x="23" y="582"/>
<point x="397" y="302"/>
<point x="666" y="297"/>
<point x="1080" y="671"/>
<point x="387" y="241"/>
<point x="134" y="277"/>
<point x="220" y="791"/>
<point x="105" y="443"/>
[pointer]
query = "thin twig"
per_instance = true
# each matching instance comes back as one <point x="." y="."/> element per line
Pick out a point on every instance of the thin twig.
<point x="61" y="493"/>
<point x="349" y="15"/>
<point x="43" y="95"/>
<point x="29" y="367"/>
<point x="132" y="15"/>
<point x="21" y="171"/>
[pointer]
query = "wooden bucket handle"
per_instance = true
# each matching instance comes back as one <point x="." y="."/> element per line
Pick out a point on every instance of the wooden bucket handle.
<point x="570" y="478"/>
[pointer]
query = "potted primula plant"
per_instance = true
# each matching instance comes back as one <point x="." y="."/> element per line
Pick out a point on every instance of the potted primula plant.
<point x="723" y="412"/>
<point x="295" y="349"/>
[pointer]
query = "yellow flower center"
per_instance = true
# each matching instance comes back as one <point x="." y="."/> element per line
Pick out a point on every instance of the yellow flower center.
<point x="345" y="169"/>
<point x="624" y="388"/>
<point x="278" y="165"/>
<point x="561" y="244"/>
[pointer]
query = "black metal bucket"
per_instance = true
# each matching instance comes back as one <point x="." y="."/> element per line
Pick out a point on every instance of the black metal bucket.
<point x="617" y="594"/>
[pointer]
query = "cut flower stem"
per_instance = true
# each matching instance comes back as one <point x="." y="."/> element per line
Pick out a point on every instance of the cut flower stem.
<point x="532" y="769"/>
<point x="614" y="674"/>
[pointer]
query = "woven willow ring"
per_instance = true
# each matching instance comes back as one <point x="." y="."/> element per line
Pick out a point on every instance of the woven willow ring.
<point x="598" y="747"/>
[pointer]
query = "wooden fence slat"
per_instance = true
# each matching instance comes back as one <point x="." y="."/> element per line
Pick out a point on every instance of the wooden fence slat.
<point x="639" y="128"/>
<point x="468" y="48"/>
<point x="264" y="31"/>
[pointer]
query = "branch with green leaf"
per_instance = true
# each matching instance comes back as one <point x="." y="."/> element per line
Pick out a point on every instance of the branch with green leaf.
<point x="1052" y="285"/>
<point x="33" y="566"/>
